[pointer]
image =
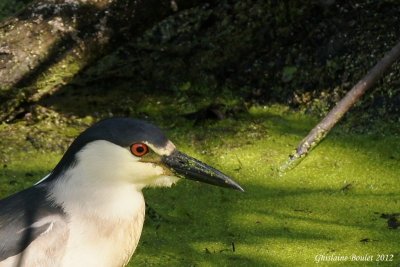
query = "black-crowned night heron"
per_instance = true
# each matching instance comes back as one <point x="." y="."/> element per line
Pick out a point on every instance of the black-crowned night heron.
<point x="89" y="210"/>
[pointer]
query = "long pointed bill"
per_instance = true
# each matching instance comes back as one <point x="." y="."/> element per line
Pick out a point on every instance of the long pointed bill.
<point x="196" y="170"/>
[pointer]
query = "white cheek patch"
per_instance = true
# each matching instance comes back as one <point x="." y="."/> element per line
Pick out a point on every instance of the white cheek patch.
<point x="145" y="171"/>
<point x="164" y="151"/>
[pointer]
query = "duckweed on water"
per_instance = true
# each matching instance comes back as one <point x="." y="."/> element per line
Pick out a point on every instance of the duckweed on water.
<point x="329" y="206"/>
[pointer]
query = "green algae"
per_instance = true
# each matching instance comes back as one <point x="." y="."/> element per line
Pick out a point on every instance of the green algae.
<point x="330" y="204"/>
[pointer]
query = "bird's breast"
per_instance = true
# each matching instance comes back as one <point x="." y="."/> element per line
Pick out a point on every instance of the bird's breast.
<point x="103" y="237"/>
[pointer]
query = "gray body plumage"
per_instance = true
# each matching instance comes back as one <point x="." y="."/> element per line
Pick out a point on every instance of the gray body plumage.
<point x="24" y="217"/>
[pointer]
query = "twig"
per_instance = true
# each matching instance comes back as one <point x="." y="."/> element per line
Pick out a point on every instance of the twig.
<point x="319" y="132"/>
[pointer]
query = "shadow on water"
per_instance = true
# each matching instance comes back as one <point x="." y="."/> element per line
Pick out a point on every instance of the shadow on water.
<point x="202" y="222"/>
<point x="198" y="215"/>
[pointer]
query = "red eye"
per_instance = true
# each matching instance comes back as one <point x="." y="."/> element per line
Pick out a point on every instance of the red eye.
<point x="139" y="149"/>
